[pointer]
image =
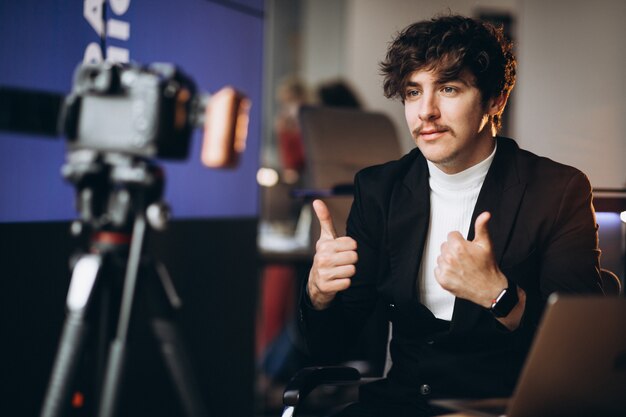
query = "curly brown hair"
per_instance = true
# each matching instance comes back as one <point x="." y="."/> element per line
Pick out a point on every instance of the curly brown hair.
<point x="449" y="45"/>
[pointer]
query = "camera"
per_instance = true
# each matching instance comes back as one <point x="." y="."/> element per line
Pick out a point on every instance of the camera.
<point x="150" y="112"/>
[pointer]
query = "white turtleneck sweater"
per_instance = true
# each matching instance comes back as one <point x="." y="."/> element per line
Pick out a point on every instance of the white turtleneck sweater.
<point x="452" y="202"/>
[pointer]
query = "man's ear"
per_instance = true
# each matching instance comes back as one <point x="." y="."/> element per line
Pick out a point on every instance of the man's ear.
<point x="496" y="105"/>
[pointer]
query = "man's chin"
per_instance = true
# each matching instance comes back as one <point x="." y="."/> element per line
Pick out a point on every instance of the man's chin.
<point x="444" y="162"/>
<point x="434" y="155"/>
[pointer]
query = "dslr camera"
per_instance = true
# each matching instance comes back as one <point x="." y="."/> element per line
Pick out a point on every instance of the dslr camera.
<point x="150" y="112"/>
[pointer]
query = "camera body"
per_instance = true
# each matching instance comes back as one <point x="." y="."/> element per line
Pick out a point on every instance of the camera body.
<point x="147" y="112"/>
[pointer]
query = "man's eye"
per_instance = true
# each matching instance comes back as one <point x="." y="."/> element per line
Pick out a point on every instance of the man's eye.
<point x="411" y="94"/>
<point x="449" y="90"/>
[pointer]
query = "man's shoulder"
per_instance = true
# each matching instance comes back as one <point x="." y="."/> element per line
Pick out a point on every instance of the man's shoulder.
<point x="530" y="165"/>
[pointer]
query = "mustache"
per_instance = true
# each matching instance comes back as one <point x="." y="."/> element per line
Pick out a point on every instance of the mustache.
<point x="439" y="128"/>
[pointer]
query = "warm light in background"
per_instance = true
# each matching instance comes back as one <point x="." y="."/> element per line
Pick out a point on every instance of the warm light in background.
<point x="78" y="399"/>
<point x="622" y="216"/>
<point x="267" y="177"/>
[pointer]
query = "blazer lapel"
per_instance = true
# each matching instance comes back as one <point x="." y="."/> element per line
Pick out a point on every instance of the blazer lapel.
<point x="409" y="213"/>
<point x="501" y="195"/>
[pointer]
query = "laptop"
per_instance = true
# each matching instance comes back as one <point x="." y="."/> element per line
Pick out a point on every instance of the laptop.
<point x="575" y="367"/>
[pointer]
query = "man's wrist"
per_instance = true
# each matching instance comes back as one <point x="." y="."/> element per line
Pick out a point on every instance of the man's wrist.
<point x="314" y="302"/>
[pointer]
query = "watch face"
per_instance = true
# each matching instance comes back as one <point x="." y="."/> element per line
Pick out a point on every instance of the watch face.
<point x="505" y="302"/>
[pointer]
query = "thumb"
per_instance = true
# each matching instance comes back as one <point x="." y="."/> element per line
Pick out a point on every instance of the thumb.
<point x="326" y="222"/>
<point x="481" y="233"/>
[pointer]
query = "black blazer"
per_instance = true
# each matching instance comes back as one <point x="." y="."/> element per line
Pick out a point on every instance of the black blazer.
<point x="544" y="236"/>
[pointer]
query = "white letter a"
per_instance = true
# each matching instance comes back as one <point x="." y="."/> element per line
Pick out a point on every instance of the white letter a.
<point x="92" y="11"/>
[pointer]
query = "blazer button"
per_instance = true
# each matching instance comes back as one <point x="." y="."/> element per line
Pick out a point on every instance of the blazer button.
<point x="425" y="389"/>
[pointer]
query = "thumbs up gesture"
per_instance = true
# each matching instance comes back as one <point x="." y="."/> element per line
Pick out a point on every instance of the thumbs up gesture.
<point x="334" y="261"/>
<point x="468" y="269"/>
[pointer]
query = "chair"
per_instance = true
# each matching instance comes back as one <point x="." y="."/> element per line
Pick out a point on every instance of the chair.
<point x="338" y="142"/>
<point x="307" y="379"/>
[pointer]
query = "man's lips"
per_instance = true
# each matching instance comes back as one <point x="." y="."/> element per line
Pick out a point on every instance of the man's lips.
<point x="431" y="134"/>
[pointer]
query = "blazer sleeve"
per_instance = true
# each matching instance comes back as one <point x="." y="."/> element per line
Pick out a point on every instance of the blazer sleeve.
<point x="331" y="333"/>
<point x="571" y="258"/>
<point x="566" y="258"/>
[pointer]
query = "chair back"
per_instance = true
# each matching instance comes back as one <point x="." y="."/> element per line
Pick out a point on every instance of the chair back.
<point x="338" y="142"/>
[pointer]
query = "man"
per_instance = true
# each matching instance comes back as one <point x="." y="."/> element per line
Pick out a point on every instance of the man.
<point x="463" y="239"/>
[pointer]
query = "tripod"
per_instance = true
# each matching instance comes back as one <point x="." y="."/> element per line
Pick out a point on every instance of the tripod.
<point x="117" y="197"/>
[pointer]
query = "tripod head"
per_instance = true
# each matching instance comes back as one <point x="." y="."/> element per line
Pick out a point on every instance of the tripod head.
<point x="111" y="190"/>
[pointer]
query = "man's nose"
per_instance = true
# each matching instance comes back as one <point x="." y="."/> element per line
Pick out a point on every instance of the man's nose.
<point x="429" y="109"/>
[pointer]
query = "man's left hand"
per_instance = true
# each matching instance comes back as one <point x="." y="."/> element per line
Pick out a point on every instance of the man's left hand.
<point x="468" y="268"/>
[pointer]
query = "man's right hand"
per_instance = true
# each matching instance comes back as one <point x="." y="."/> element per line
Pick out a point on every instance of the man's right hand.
<point x="334" y="261"/>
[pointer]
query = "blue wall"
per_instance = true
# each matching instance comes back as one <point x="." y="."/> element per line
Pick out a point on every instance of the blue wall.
<point x="217" y="43"/>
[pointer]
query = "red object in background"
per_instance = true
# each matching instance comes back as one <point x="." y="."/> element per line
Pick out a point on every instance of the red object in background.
<point x="78" y="399"/>
<point x="291" y="149"/>
<point x="277" y="303"/>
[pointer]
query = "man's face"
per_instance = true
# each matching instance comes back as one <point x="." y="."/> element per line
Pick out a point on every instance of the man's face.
<point x="448" y="120"/>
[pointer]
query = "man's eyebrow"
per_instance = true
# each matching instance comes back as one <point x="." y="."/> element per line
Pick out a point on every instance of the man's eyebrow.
<point x="445" y="80"/>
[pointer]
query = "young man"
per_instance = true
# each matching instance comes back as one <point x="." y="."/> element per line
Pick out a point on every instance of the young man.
<point x="463" y="239"/>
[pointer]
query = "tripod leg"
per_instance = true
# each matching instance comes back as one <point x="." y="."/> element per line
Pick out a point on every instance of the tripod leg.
<point x="171" y="343"/>
<point x="179" y="367"/>
<point x="117" y="351"/>
<point x="73" y="335"/>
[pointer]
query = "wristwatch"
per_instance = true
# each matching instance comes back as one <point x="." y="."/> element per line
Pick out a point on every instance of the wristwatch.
<point x="502" y="305"/>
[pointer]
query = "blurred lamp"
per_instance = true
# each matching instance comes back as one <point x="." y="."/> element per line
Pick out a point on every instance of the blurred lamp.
<point x="267" y="177"/>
